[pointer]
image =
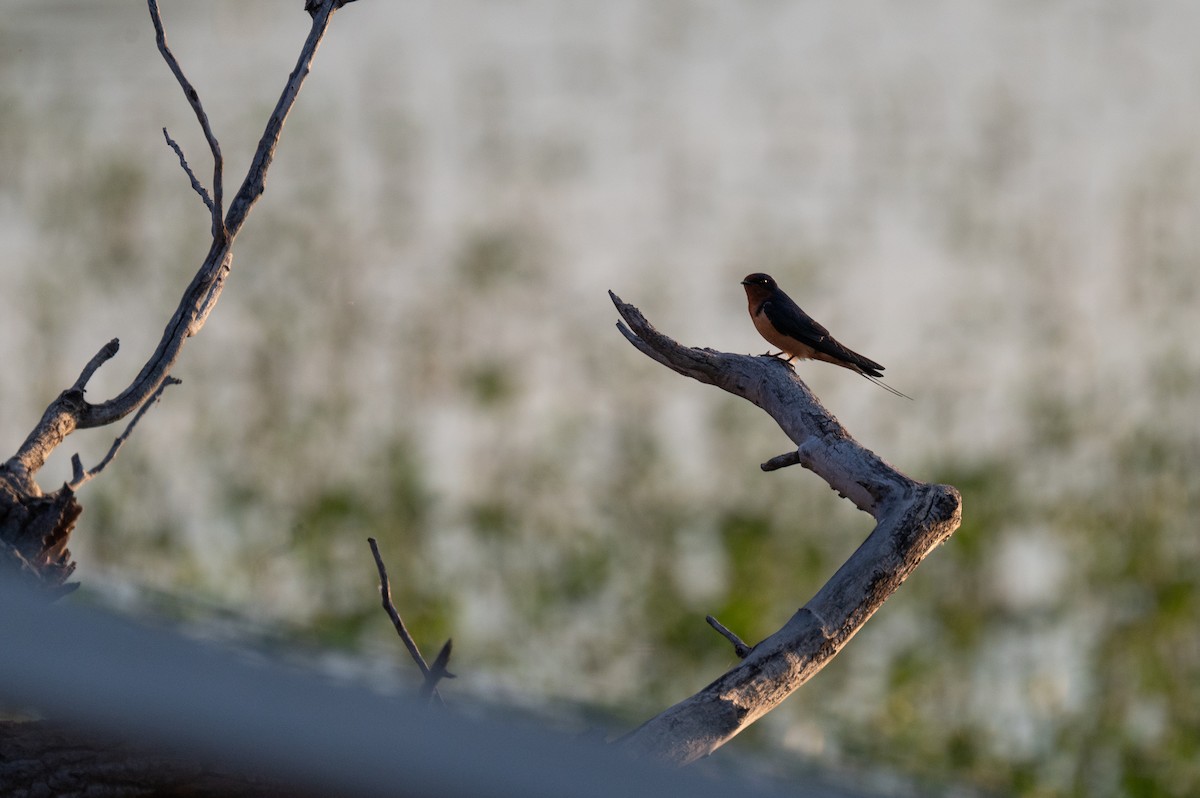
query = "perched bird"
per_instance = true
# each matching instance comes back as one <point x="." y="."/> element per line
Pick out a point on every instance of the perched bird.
<point x="781" y="321"/>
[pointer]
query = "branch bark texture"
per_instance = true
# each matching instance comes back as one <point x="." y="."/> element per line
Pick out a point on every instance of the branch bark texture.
<point x="912" y="518"/>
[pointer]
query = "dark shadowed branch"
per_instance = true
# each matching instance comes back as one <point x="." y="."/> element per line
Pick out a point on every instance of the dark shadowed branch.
<point x="912" y="518"/>
<point x="431" y="675"/>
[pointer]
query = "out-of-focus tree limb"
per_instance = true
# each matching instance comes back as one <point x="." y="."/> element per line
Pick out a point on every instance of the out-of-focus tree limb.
<point x="316" y="734"/>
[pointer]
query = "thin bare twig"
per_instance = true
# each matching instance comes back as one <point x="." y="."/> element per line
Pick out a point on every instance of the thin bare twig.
<point x="79" y="477"/>
<point x="781" y="461"/>
<point x="197" y="186"/>
<point x="739" y="647"/>
<point x="215" y="207"/>
<point x="431" y="675"/>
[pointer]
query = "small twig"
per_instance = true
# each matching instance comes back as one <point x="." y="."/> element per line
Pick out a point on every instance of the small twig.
<point x="196" y="184"/>
<point x="739" y="647"/>
<point x="429" y="688"/>
<point x="106" y="353"/>
<point x="79" y="476"/>
<point x="216" y="206"/>
<point x="782" y="461"/>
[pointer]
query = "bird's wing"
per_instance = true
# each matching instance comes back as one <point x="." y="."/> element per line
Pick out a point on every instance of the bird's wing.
<point x="790" y="320"/>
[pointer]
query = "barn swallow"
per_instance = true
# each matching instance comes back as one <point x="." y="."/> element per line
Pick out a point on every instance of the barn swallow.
<point x="781" y="321"/>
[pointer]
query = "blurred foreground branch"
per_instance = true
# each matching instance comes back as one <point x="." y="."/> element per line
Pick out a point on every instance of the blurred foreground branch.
<point x="34" y="527"/>
<point x="912" y="518"/>
<point x="230" y="713"/>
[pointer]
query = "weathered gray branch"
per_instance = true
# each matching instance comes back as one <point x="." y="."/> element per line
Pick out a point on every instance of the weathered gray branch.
<point x="197" y="186"/>
<point x="912" y="518"/>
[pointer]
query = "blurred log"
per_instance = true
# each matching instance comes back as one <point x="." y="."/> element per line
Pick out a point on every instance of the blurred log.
<point x="912" y="518"/>
<point x="237" y="711"/>
<point x="42" y="758"/>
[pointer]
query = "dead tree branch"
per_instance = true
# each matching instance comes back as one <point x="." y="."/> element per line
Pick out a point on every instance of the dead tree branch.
<point x="912" y="518"/>
<point x="21" y="499"/>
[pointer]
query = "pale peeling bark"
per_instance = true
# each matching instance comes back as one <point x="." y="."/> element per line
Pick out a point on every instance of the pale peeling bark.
<point x="912" y="518"/>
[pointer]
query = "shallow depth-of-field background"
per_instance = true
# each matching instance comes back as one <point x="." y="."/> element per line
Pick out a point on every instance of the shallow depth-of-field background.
<point x="999" y="201"/>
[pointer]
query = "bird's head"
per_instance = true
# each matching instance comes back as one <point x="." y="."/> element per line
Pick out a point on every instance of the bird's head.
<point x="758" y="278"/>
<point x="759" y="286"/>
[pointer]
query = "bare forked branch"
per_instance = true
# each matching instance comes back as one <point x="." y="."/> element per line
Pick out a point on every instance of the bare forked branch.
<point x="912" y="518"/>
<point x="70" y="411"/>
<point x="215" y="205"/>
<point x="35" y="528"/>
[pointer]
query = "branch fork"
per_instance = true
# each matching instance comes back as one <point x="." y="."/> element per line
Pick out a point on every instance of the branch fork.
<point x="912" y="518"/>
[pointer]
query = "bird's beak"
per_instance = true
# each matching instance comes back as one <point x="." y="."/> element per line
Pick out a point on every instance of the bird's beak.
<point x="744" y="282"/>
